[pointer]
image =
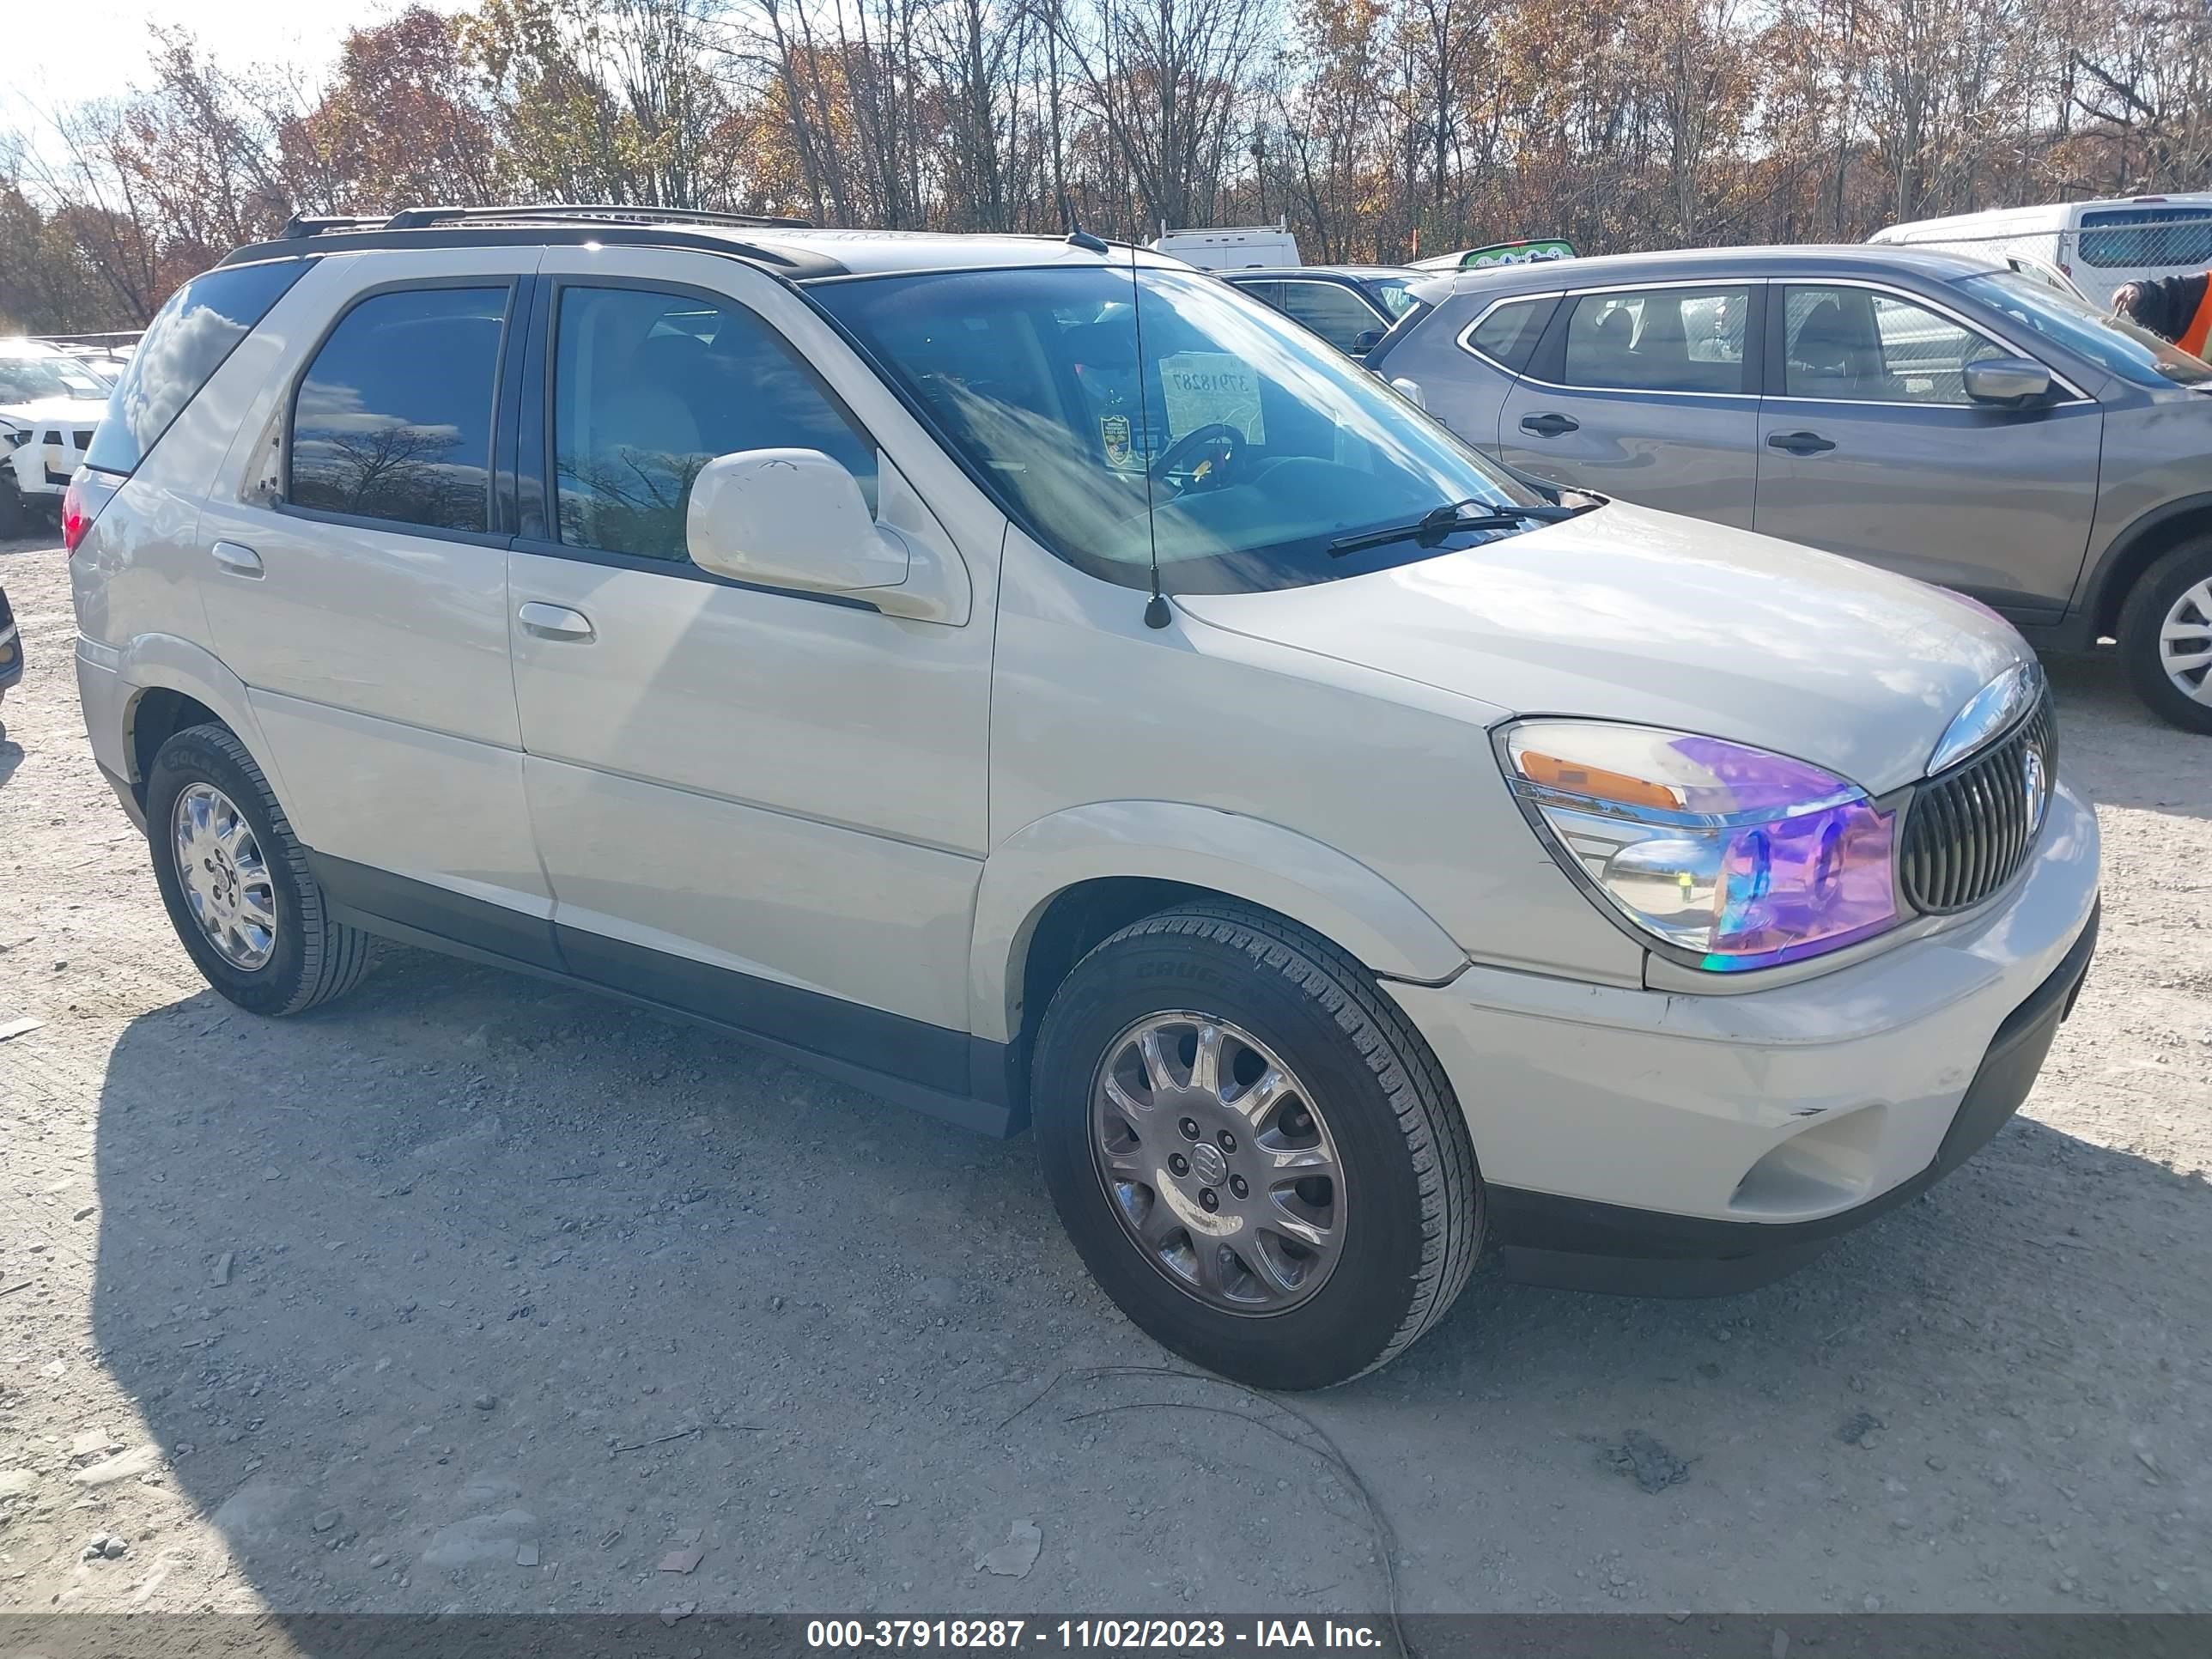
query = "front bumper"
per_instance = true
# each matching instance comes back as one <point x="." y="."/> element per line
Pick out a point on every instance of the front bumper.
<point x="1664" y="1142"/>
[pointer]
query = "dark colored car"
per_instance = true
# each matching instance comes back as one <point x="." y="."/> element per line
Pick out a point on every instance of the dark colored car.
<point x="1946" y="416"/>
<point x="1351" y="306"/>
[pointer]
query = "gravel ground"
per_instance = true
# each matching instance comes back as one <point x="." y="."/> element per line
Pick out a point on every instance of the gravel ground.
<point x="470" y="1294"/>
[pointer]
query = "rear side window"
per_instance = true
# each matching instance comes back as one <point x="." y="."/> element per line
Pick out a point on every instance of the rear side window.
<point x="394" y="418"/>
<point x="1666" y="339"/>
<point x="2120" y="238"/>
<point x="1509" y="334"/>
<point x="183" y="347"/>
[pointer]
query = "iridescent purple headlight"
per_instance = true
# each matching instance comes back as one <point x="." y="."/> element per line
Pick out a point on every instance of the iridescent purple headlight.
<point x="1726" y="857"/>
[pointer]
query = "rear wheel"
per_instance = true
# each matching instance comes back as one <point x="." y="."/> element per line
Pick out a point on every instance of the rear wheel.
<point x="1256" y="1156"/>
<point x="2166" y="636"/>
<point x="236" y="883"/>
<point x="14" y="521"/>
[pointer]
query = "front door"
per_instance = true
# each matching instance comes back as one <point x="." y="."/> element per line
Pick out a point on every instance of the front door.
<point x="355" y="581"/>
<point x="1644" y="394"/>
<point x="1870" y="446"/>
<point x="766" y="807"/>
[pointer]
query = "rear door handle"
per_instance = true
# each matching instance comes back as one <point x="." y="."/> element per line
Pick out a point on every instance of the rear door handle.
<point x="1549" y="425"/>
<point x="554" y="621"/>
<point x="1800" y="443"/>
<point x="239" y="561"/>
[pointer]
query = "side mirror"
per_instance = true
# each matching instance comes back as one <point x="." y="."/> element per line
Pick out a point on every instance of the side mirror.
<point x="1368" y="341"/>
<point x="2012" y="381"/>
<point x="790" y="518"/>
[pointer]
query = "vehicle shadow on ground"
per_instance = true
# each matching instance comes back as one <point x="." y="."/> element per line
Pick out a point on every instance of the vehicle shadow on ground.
<point x="469" y="1294"/>
<point x="2102" y="725"/>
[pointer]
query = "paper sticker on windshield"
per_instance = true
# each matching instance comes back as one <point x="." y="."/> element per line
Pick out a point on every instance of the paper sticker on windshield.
<point x="1208" y="388"/>
<point x="1114" y="432"/>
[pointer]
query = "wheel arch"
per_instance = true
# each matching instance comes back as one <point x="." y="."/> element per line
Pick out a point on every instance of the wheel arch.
<point x="2135" y="549"/>
<point x="1056" y="887"/>
<point x="175" y="684"/>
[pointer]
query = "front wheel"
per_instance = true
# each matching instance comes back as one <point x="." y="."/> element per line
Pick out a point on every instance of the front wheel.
<point x="235" y="880"/>
<point x="1256" y="1156"/>
<point x="2166" y="636"/>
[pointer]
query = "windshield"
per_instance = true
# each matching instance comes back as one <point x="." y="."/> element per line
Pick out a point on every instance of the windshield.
<point x="1257" y="445"/>
<point x="28" y="380"/>
<point x="2111" y="343"/>
<point x="1395" y="292"/>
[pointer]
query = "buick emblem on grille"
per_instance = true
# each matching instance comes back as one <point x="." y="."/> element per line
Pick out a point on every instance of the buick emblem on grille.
<point x="2035" y="784"/>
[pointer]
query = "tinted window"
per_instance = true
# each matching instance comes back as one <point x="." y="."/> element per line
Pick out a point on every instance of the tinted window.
<point x="1668" y="339"/>
<point x="2120" y="238"/>
<point x="1508" y="335"/>
<point x="1853" y="345"/>
<point x="1334" y="313"/>
<point x="182" y="346"/>
<point x="394" y="420"/>
<point x="648" y="387"/>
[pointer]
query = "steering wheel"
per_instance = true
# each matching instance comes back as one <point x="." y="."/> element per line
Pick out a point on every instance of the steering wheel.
<point x="1225" y="440"/>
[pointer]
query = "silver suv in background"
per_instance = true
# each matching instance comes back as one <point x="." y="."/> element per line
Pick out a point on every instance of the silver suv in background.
<point x="1949" y="417"/>
<point x="1346" y="858"/>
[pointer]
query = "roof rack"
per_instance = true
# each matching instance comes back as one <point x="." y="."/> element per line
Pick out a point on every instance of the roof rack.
<point x="301" y="225"/>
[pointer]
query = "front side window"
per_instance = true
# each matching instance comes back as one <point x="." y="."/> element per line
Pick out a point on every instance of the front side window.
<point x="1239" y="444"/>
<point x="1661" y="339"/>
<point x="649" y="386"/>
<point x="2111" y="343"/>
<point x="394" y="420"/>
<point x="1509" y="334"/>
<point x="1330" y="310"/>
<point x="1859" y="346"/>
<point x="188" y="339"/>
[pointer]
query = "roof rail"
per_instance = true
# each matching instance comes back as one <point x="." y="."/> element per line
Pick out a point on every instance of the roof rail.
<point x="301" y="225"/>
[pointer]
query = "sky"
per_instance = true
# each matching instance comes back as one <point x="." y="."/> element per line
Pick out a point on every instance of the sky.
<point x="101" y="49"/>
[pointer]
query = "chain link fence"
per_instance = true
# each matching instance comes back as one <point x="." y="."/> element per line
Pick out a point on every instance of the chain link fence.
<point x="2097" y="253"/>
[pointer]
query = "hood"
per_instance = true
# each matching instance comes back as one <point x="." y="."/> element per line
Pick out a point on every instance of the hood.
<point x="74" y="412"/>
<point x="1627" y="614"/>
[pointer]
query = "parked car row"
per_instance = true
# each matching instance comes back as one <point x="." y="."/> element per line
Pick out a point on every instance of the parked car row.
<point x="49" y="403"/>
<point x="1032" y="679"/>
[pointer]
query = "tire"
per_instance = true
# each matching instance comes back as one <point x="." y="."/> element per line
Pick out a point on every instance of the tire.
<point x="14" y="520"/>
<point x="2178" y="586"/>
<point x="310" y="958"/>
<point x="1403" y="1201"/>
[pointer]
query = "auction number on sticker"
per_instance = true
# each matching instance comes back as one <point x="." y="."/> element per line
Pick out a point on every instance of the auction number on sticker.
<point x="914" y="1632"/>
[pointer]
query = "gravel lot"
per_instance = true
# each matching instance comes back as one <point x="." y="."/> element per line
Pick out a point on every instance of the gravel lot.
<point x="470" y="1294"/>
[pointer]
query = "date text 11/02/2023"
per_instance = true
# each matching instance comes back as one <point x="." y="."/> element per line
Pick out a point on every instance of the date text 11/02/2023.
<point x="1059" y="1635"/>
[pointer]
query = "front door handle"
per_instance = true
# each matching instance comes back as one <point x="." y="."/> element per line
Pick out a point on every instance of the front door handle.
<point x="239" y="561"/>
<point x="1800" y="443"/>
<point x="1549" y="425"/>
<point x="554" y="621"/>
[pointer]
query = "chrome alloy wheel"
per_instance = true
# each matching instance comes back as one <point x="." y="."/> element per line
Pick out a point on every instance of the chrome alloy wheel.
<point x="1218" y="1162"/>
<point x="225" y="878"/>
<point x="2184" y="642"/>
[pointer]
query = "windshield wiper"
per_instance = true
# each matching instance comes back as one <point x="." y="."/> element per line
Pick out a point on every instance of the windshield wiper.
<point x="1432" y="526"/>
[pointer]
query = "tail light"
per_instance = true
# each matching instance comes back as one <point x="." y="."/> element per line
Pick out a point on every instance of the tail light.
<point x="89" y="492"/>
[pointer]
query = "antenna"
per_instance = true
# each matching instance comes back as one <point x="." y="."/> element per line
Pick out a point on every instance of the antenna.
<point x="1156" y="608"/>
<point x="1077" y="236"/>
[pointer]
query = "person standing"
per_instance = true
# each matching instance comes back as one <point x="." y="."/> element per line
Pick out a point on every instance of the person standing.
<point x="2176" y="308"/>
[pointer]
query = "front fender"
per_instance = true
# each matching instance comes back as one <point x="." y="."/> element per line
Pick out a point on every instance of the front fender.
<point x="1314" y="884"/>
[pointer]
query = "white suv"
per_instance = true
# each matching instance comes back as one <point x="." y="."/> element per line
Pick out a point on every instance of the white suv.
<point x="49" y="404"/>
<point x="1041" y="684"/>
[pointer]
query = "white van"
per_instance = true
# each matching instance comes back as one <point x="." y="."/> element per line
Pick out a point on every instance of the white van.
<point x="1233" y="247"/>
<point x="2098" y="245"/>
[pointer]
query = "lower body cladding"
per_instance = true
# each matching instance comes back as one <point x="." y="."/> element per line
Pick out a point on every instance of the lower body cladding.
<point x="1655" y="1143"/>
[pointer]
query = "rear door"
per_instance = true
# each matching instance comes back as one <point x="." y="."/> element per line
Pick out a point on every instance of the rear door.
<point x="1870" y="446"/>
<point x="355" y="580"/>
<point x="1646" y="392"/>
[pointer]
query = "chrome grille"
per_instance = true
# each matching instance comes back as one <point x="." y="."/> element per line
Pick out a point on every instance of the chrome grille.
<point x="1970" y="828"/>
